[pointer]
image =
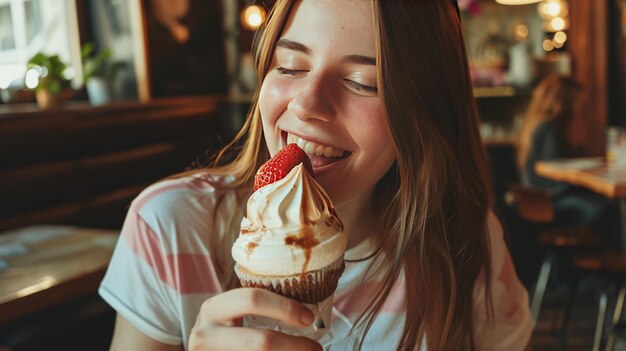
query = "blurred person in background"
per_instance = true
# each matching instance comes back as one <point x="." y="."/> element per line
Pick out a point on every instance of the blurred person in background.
<point x="544" y="136"/>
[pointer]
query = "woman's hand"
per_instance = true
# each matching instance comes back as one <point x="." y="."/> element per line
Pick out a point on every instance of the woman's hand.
<point x="218" y="326"/>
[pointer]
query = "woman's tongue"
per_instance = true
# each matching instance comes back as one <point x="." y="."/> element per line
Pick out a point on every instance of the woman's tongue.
<point x="321" y="161"/>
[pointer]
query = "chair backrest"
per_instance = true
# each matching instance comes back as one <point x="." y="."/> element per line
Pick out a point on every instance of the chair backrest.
<point x="533" y="204"/>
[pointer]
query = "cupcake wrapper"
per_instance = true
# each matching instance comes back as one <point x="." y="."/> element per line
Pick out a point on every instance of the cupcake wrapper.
<point x="310" y="287"/>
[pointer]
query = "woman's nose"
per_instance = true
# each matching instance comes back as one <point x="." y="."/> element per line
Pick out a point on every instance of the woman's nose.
<point x="314" y="101"/>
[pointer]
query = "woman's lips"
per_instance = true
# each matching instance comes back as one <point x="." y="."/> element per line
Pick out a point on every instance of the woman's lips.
<point x="322" y="156"/>
<point x="313" y="148"/>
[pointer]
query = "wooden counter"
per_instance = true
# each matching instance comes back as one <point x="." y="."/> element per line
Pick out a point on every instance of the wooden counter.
<point x="44" y="266"/>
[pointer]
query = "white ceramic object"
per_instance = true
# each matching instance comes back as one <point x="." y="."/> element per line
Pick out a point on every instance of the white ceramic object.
<point x="99" y="91"/>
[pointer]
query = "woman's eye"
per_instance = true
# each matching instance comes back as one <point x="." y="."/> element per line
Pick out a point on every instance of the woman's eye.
<point x="361" y="88"/>
<point x="288" y="72"/>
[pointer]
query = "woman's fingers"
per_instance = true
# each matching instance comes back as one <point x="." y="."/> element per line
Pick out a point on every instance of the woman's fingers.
<point x="215" y="330"/>
<point x="237" y="303"/>
<point x="232" y="339"/>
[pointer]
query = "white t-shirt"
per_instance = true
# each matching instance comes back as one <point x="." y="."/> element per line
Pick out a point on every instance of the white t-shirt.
<point x="162" y="271"/>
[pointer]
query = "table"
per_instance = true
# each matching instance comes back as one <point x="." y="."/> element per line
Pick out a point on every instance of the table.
<point x="591" y="173"/>
<point x="43" y="266"/>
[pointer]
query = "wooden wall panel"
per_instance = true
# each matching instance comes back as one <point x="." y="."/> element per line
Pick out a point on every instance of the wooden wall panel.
<point x="588" y="46"/>
<point x="83" y="165"/>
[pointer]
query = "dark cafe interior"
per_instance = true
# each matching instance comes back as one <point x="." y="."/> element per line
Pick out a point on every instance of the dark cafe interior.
<point x="101" y="98"/>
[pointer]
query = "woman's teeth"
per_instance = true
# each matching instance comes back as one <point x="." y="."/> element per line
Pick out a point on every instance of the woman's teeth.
<point x="312" y="148"/>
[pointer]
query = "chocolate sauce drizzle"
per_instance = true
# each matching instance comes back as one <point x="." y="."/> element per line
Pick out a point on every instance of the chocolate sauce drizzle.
<point x="306" y="241"/>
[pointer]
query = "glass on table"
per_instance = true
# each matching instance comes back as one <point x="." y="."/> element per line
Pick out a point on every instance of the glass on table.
<point x="616" y="148"/>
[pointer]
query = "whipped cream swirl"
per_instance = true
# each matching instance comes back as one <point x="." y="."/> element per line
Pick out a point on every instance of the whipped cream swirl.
<point x="291" y="228"/>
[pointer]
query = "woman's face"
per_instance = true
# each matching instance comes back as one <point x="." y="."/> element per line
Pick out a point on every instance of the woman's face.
<point x="321" y="94"/>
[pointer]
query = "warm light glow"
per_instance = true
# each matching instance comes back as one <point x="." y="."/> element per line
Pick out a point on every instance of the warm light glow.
<point x="557" y="23"/>
<point x="253" y="16"/>
<point x="560" y="37"/>
<point x="43" y="284"/>
<point x="517" y="2"/>
<point x="254" y="19"/>
<point x="557" y="44"/>
<point x="521" y="32"/>
<point x="32" y="78"/>
<point x="553" y="9"/>
<point x="548" y="45"/>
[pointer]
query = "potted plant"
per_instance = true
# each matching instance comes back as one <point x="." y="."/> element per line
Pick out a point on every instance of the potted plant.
<point x="52" y="86"/>
<point x="99" y="73"/>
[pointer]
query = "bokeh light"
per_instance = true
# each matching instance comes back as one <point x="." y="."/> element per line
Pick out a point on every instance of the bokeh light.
<point x="253" y="16"/>
<point x="560" y="37"/>
<point x="557" y="23"/>
<point x="521" y="32"/>
<point x="548" y="45"/>
<point x="32" y="77"/>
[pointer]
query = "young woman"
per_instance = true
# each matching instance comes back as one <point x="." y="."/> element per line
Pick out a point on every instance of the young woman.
<point x="386" y="83"/>
<point x="545" y="136"/>
<point x="544" y="133"/>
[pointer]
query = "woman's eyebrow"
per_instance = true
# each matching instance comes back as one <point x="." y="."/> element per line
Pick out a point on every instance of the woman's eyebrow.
<point x="294" y="45"/>
<point x="359" y="60"/>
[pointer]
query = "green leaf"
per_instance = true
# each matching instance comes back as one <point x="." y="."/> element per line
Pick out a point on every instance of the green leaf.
<point x="55" y="80"/>
<point x="96" y="64"/>
<point x="87" y="50"/>
<point x="54" y="87"/>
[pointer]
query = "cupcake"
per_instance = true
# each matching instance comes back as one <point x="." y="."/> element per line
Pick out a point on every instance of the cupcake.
<point x="291" y="241"/>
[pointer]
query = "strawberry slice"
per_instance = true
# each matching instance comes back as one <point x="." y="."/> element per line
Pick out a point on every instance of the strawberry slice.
<point x="280" y="165"/>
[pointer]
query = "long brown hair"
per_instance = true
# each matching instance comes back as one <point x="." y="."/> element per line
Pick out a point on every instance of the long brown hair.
<point x="552" y="99"/>
<point x="433" y="225"/>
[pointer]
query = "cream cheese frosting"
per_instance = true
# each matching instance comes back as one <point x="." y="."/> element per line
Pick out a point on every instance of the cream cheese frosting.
<point x="291" y="227"/>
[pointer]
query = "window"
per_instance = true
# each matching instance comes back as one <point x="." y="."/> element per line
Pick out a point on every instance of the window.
<point x="32" y="19"/>
<point x="7" y="38"/>
<point x="31" y="26"/>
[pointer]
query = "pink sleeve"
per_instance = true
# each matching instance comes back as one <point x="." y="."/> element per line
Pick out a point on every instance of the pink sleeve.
<point x="162" y="269"/>
<point x="511" y="327"/>
<point x="134" y="287"/>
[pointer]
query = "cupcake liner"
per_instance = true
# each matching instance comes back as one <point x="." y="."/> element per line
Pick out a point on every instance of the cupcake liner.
<point x="309" y="287"/>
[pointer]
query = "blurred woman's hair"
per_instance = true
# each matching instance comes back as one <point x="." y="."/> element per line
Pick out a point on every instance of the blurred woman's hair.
<point x="553" y="99"/>
<point x="433" y="203"/>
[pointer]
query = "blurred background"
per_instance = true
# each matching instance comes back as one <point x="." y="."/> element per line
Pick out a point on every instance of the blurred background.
<point x="100" y="98"/>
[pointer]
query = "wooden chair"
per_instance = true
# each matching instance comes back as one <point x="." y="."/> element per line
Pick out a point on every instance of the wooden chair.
<point x="610" y="266"/>
<point x="535" y="206"/>
<point x="620" y="330"/>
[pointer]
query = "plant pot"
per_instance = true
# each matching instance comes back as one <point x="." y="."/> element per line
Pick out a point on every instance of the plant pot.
<point x="46" y="100"/>
<point x="99" y="91"/>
